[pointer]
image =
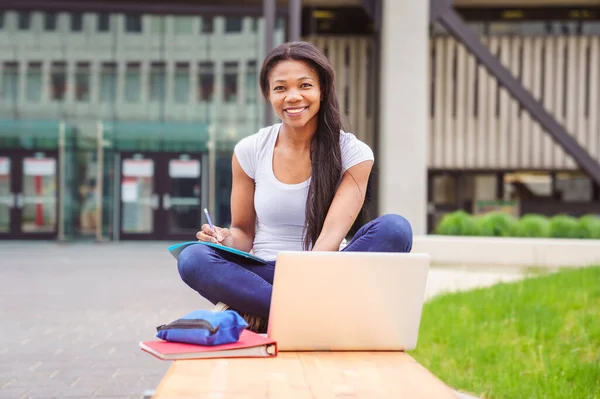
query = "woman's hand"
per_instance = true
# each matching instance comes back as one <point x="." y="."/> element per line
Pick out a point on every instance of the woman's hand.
<point x="218" y="235"/>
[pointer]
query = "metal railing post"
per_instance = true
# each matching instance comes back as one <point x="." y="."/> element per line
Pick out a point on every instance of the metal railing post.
<point x="61" y="180"/>
<point x="212" y="159"/>
<point x="99" y="178"/>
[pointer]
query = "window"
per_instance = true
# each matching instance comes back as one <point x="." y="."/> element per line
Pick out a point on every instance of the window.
<point x="230" y="82"/>
<point x="108" y="82"/>
<point x="182" y="82"/>
<point x="76" y="22"/>
<point x="183" y="25"/>
<point x="233" y="24"/>
<point x="279" y="24"/>
<point x="157" y="24"/>
<point x="479" y="28"/>
<point x="1" y="19"/>
<point x="10" y="81"/>
<point x="207" y="25"/>
<point x="58" y="80"/>
<point x="50" y="21"/>
<point x="132" y="82"/>
<point x="103" y="22"/>
<point x="82" y="82"/>
<point x="206" y="81"/>
<point x="251" y="82"/>
<point x="563" y="27"/>
<point x="33" y="82"/>
<point x="254" y="24"/>
<point x="24" y="20"/>
<point x="591" y="28"/>
<point x="157" y="81"/>
<point x="133" y="23"/>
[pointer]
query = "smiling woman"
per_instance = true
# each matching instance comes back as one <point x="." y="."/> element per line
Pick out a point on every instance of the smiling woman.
<point x="297" y="185"/>
<point x="298" y="80"/>
<point x="293" y="89"/>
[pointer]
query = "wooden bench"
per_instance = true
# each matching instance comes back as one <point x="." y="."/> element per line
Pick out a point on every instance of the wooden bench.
<point x="299" y="375"/>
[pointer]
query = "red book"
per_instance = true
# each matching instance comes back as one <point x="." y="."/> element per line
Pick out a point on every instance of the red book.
<point x="250" y="344"/>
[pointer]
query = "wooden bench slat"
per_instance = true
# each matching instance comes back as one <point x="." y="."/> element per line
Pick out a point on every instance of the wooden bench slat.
<point x="304" y="375"/>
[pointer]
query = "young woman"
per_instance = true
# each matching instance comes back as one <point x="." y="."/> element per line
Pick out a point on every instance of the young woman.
<point x="297" y="185"/>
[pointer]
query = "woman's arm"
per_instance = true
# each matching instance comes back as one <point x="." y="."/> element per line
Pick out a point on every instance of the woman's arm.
<point x="344" y="209"/>
<point x="243" y="215"/>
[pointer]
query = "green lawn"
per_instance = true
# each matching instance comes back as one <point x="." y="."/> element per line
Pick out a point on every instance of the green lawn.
<point x="537" y="338"/>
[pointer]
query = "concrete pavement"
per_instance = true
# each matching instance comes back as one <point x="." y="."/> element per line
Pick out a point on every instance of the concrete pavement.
<point x="73" y="314"/>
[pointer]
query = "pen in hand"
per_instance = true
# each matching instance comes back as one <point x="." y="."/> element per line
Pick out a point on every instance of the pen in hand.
<point x="212" y="226"/>
<point x="214" y="234"/>
<point x="210" y="223"/>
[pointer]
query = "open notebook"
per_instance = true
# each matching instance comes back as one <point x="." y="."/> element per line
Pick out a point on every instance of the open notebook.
<point x="250" y="344"/>
<point x="176" y="249"/>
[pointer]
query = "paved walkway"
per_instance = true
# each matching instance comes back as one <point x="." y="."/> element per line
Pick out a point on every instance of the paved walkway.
<point x="73" y="314"/>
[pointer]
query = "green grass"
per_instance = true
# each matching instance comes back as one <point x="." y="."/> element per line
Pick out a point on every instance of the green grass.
<point x="537" y="338"/>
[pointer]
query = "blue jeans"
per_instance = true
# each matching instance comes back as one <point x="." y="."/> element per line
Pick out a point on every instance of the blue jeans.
<point x="246" y="286"/>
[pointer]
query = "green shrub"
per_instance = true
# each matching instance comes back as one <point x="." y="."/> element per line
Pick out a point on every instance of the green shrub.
<point x="500" y="224"/>
<point x="588" y="227"/>
<point x="458" y="223"/>
<point x="496" y="224"/>
<point x="532" y="225"/>
<point x="564" y="226"/>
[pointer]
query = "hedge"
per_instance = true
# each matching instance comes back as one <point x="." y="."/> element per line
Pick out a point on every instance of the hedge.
<point x="500" y="224"/>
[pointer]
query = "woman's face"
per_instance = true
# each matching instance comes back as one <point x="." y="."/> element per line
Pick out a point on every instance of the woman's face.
<point x="295" y="93"/>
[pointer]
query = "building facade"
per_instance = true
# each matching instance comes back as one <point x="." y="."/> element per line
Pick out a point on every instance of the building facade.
<point x="120" y="125"/>
<point x="486" y="149"/>
<point x="149" y="94"/>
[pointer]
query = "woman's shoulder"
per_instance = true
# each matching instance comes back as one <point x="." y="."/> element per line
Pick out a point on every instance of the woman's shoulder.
<point x="250" y="149"/>
<point x="354" y="150"/>
<point x="349" y="142"/>
<point x="347" y="136"/>
<point x="257" y="141"/>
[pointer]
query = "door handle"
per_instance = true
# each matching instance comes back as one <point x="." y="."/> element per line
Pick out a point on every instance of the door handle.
<point x="19" y="202"/>
<point x="154" y="201"/>
<point x="166" y="202"/>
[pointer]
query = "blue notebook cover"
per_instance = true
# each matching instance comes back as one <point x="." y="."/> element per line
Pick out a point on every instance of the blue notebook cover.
<point x="176" y="249"/>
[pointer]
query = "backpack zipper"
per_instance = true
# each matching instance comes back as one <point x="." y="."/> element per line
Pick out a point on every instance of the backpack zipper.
<point x="189" y="324"/>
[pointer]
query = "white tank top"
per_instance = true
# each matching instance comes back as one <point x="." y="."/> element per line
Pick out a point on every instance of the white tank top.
<point x="280" y="207"/>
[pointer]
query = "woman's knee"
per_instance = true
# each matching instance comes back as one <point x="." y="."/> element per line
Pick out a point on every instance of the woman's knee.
<point x="193" y="261"/>
<point x="397" y="231"/>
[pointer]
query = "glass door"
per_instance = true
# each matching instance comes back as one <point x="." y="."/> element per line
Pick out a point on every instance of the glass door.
<point x="139" y="199"/>
<point x="7" y="198"/>
<point x="28" y="194"/>
<point x="37" y="197"/>
<point x="182" y="192"/>
<point x="160" y="196"/>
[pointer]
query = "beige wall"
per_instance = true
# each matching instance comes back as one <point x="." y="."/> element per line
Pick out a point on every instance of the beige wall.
<point x="404" y="111"/>
<point x="556" y="69"/>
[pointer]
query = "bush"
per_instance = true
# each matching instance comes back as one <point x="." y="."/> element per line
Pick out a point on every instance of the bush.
<point x="589" y="227"/>
<point x="564" y="226"/>
<point x="496" y="224"/>
<point x="458" y="223"/>
<point x="532" y="226"/>
<point x="500" y="224"/>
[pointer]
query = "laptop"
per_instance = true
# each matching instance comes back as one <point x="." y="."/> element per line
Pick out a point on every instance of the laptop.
<point x="347" y="301"/>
